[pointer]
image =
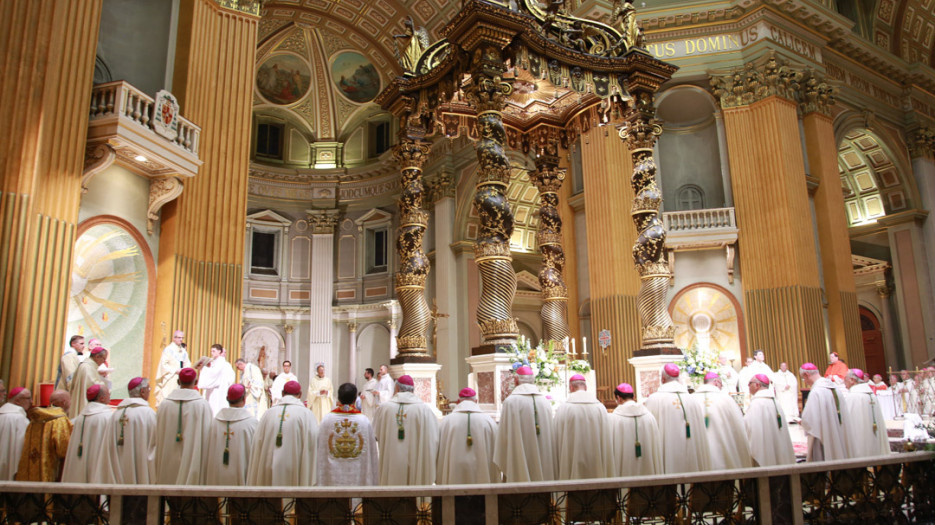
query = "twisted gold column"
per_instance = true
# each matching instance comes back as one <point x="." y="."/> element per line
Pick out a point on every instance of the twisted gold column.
<point x="548" y="180"/>
<point x="640" y="132"/>
<point x="487" y="93"/>
<point x="413" y="264"/>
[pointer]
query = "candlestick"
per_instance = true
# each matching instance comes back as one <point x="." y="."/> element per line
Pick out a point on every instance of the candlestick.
<point x="573" y="353"/>
<point x="584" y="347"/>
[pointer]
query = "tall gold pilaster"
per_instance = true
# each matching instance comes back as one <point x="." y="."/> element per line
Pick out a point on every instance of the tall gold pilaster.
<point x="413" y="264"/>
<point x="487" y="93"/>
<point x="201" y="244"/>
<point x="548" y="180"/>
<point x="47" y="66"/>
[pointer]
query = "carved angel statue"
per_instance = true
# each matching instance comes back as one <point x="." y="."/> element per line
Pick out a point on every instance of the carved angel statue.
<point x="410" y="45"/>
<point x="624" y="20"/>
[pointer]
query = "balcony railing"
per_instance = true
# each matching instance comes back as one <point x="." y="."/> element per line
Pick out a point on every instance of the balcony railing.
<point x="886" y="489"/>
<point x="697" y="220"/>
<point x="123" y="101"/>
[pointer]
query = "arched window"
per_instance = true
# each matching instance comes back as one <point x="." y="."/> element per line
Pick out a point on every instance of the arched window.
<point x="690" y="197"/>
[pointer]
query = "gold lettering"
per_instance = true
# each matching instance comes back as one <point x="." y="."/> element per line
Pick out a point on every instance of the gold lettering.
<point x="714" y="43"/>
<point x="670" y="49"/>
<point x="689" y="47"/>
<point x="734" y="41"/>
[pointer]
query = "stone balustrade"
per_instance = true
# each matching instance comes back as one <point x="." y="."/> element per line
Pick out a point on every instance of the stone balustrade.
<point x="888" y="489"/>
<point x="696" y="220"/>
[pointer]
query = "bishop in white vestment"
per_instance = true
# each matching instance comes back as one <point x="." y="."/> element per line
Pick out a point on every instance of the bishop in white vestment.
<point x="86" y="375"/>
<point x="369" y="395"/>
<point x="864" y="426"/>
<point x="275" y="391"/>
<point x="466" y="444"/>
<point x="285" y="443"/>
<point x="252" y="380"/>
<point x="723" y="420"/>
<point x="174" y="358"/>
<point x="183" y="422"/>
<point x="320" y="397"/>
<point x="215" y="378"/>
<point x="347" y="448"/>
<point x="823" y="417"/>
<point x="13" y="422"/>
<point x="582" y="439"/>
<point x="681" y="425"/>
<point x="86" y="460"/>
<point x="786" y="387"/>
<point x="635" y="436"/>
<point x="230" y="441"/>
<point x="767" y="426"/>
<point x="131" y="438"/>
<point x="525" y="450"/>
<point x="407" y="433"/>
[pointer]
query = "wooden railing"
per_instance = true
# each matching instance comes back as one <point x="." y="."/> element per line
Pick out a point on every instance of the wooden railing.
<point x="122" y="101"/>
<point x="695" y="220"/>
<point x="888" y="489"/>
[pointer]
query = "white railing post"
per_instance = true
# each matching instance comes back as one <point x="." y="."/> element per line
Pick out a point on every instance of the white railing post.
<point x="153" y="511"/>
<point x="795" y="497"/>
<point x="763" y="501"/>
<point x="491" y="511"/>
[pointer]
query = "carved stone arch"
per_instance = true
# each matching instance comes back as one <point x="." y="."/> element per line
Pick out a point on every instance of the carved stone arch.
<point x="262" y="337"/>
<point x="371" y="353"/>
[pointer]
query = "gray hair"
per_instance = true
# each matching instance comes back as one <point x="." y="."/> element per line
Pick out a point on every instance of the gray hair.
<point x="138" y="391"/>
<point x="405" y="388"/>
<point x="526" y="380"/>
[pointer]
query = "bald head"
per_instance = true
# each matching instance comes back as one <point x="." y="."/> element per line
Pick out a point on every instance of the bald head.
<point x="61" y="399"/>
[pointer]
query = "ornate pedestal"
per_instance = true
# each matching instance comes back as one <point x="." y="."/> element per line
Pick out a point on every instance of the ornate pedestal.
<point x="424" y="377"/>
<point x="648" y="369"/>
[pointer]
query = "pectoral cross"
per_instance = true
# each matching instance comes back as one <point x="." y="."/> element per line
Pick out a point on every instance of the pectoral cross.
<point x="435" y="315"/>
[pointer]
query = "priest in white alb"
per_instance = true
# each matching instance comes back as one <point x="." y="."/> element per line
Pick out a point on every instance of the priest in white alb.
<point x="582" y="440"/>
<point x="85" y="376"/>
<point x="86" y="460"/>
<point x="723" y="421"/>
<point x="864" y="426"/>
<point x="13" y="422"/>
<point x="525" y="448"/>
<point x="385" y="384"/>
<point x="320" y="397"/>
<point x="369" y="395"/>
<point x="252" y="380"/>
<point x="347" y="449"/>
<point x="466" y="444"/>
<point x="215" y="377"/>
<point x="131" y="438"/>
<point x="407" y="434"/>
<point x="174" y="358"/>
<point x="728" y="375"/>
<point x="284" y="444"/>
<point x="275" y="391"/>
<point x="230" y="440"/>
<point x="637" y="446"/>
<point x="823" y="417"/>
<point x="787" y="391"/>
<point x="767" y="426"/>
<point x="681" y="425"/>
<point x="183" y="421"/>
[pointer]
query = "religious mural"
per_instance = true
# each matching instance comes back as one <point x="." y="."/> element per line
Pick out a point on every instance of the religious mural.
<point x="109" y="287"/>
<point x="283" y="79"/>
<point x="355" y="77"/>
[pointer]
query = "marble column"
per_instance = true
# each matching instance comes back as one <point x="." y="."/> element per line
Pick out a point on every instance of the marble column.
<point x="922" y="151"/>
<point x="913" y="281"/>
<point x="885" y="291"/>
<point x="321" y="322"/>
<point x="447" y="350"/>
<point x="352" y="350"/>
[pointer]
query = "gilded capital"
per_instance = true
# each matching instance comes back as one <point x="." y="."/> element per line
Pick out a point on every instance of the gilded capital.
<point x="922" y="142"/>
<point x="411" y="154"/>
<point x="753" y="83"/>
<point x="322" y="221"/>
<point x="248" y="7"/>
<point x="440" y="186"/>
<point x="816" y="95"/>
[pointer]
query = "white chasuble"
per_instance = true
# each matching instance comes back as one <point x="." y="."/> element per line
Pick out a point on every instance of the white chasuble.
<point x="214" y="380"/>
<point x="465" y="447"/>
<point x="252" y="380"/>
<point x="407" y="432"/>
<point x="636" y="442"/>
<point x="85" y="375"/>
<point x="823" y="421"/>
<point x="173" y="359"/>
<point x="525" y="449"/>
<point x="284" y="446"/>
<point x="320" y="403"/>
<point x="13" y="422"/>
<point x="582" y="439"/>
<point x="768" y="431"/>
<point x="787" y="392"/>
<point x="369" y="398"/>
<point x="680" y="418"/>
<point x="230" y="441"/>
<point x="182" y="425"/>
<point x="347" y="449"/>
<point x="131" y="442"/>
<point x="864" y="427"/>
<point x="86" y="460"/>
<point x="723" y="420"/>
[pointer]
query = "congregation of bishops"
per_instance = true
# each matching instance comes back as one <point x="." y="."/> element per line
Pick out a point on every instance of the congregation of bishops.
<point x="185" y="443"/>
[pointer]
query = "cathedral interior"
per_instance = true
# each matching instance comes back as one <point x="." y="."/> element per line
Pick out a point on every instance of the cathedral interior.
<point x="265" y="175"/>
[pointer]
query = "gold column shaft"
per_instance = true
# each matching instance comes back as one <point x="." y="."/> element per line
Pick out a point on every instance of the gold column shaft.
<point x="487" y="93"/>
<point x="202" y="236"/>
<point x="548" y="180"/>
<point x="413" y="264"/>
<point x="48" y="50"/>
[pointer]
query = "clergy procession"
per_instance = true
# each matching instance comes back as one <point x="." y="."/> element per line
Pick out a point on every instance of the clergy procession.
<point x="210" y="429"/>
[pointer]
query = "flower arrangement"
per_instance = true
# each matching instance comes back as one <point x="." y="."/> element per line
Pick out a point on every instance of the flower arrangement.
<point x="543" y="359"/>
<point x="579" y="366"/>
<point x="699" y="361"/>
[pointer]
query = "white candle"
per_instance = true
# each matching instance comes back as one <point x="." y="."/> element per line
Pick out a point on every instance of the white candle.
<point x="573" y="348"/>
<point x="565" y="344"/>
<point x="584" y="346"/>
